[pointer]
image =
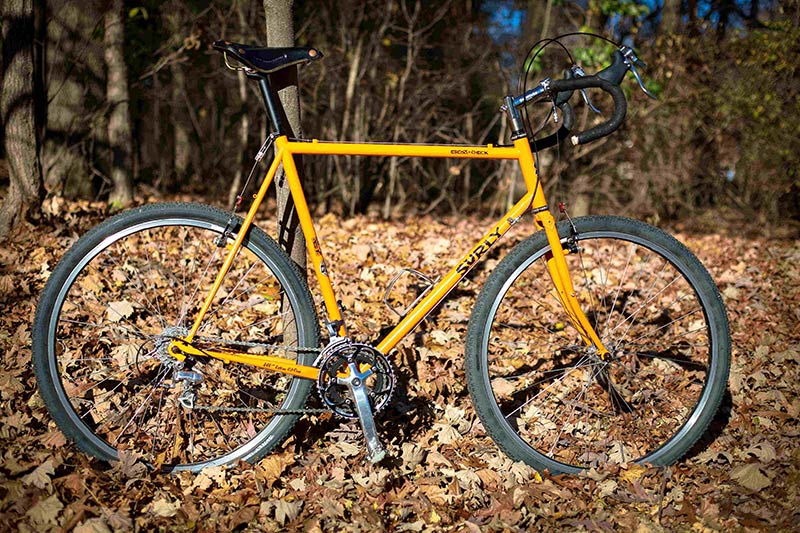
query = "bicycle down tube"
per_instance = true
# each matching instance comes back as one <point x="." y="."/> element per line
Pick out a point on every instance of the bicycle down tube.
<point x="533" y="200"/>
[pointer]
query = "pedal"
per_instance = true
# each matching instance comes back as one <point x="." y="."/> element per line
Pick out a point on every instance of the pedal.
<point x="428" y="285"/>
<point x="355" y="382"/>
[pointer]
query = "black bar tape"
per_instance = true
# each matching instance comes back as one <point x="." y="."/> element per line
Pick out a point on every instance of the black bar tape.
<point x="617" y="117"/>
<point x="567" y="121"/>
<point x="616" y="71"/>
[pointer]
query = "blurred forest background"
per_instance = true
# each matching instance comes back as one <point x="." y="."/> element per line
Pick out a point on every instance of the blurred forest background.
<point x="130" y="100"/>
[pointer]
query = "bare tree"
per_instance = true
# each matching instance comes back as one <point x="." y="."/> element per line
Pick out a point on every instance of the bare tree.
<point x="119" y="122"/>
<point x="280" y="32"/>
<point x="244" y="128"/>
<point x="17" y="106"/>
<point x="670" y="16"/>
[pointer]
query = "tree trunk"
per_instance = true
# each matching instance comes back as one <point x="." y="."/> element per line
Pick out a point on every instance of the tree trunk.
<point x="670" y="16"/>
<point x="119" y="122"/>
<point x="693" y="28"/>
<point x="17" y="108"/>
<point x="244" y="129"/>
<point x="280" y="32"/>
<point x="181" y="140"/>
<point x="75" y="81"/>
<point x="535" y="17"/>
<point x="545" y="31"/>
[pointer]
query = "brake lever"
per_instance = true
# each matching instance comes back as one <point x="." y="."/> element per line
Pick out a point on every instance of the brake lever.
<point x="631" y="61"/>
<point x="641" y="83"/>
<point x="579" y="72"/>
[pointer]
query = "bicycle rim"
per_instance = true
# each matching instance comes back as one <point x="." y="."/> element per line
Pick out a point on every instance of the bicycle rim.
<point x="557" y="404"/>
<point x="133" y="284"/>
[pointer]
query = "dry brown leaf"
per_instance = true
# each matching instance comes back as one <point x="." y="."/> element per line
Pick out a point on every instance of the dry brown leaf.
<point x="331" y="508"/>
<point x="129" y="465"/>
<point x="490" y="478"/>
<point x="632" y="473"/>
<point x="45" y="513"/>
<point x="503" y="388"/>
<point x="118" y="311"/>
<point x="273" y="465"/>
<point x="412" y="455"/>
<point x="347" y="449"/>
<point x="164" y="507"/>
<point x="764" y="451"/>
<point x="446" y="433"/>
<point x="40" y="477"/>
<point x="298" y="484"/>
<point x="92" y="525"/>
<point x="751" y="476"/>
<point x="54" y="439"/>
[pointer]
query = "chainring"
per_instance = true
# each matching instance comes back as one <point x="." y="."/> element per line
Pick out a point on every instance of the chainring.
<point x="380" y="384"/>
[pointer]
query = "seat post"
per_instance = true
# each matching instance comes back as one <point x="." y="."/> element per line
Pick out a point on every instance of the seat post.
<point x="277" y="115"/>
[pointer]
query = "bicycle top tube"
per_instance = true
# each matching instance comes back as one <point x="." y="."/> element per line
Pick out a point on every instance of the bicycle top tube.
<point x="460" y="151"/>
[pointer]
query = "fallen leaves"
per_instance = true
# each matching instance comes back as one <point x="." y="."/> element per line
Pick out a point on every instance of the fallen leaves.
<point x="443" y="473"/>
<point x="118" y="311"/>
<point x="41" y="476"/>
<point x="164" y="507"/>
<point x="751" y="476"/>
<point x="129" y="466"/>
<point x="44" y="514"/>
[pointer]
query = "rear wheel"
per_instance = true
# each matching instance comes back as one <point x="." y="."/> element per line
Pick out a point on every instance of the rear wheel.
<point x="550" y="401"/>
<point x="110" y="308"/>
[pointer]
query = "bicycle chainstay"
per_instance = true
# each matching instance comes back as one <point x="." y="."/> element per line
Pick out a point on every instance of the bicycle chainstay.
<point x="251" y="344"/>
<point x="273" y="410"/>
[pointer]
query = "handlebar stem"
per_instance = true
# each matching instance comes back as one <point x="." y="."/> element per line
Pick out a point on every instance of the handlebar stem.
<point x="517" y="128"/>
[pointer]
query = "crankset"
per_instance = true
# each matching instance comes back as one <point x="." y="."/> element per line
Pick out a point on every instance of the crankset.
<point x="354" y="381"/>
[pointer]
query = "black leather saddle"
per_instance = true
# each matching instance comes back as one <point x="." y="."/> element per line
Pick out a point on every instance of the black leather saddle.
<point x="267" y="60"/>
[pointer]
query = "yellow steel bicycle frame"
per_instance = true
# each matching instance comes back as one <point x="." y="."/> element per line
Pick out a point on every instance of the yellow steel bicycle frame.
<point x="533" y="200"/>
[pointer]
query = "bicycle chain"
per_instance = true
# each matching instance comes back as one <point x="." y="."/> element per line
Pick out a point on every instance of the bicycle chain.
<point x="251" y="344"/>
<point x="273" y="410"/>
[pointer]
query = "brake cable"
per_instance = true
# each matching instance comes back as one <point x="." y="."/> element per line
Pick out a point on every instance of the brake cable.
<point x="522" y="85"/>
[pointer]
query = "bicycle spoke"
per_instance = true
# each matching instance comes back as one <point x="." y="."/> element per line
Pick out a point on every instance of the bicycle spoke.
<point x="571" y="407"/>
<point x="121" y="384"/>
<point x="196" y="290"/>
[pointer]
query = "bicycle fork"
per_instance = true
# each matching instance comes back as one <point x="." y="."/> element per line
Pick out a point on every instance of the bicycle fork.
<point x="556" y="262"/>
<point x="557" y="267"/>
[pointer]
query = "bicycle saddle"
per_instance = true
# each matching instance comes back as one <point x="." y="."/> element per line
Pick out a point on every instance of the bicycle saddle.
<point x="267" y="60"/>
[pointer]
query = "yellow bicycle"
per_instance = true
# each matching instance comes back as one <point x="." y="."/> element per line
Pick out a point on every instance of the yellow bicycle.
<point x="184" y="334"/>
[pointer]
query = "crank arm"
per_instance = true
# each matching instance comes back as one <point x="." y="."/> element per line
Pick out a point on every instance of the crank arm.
<point x="355" y="382"/>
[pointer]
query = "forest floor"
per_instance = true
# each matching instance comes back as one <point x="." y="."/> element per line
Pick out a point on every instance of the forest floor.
<point x="443" y="473"/>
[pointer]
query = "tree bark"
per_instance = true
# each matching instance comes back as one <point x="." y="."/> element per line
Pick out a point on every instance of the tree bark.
<point x="670" y="16"/>
<point x="280" y="32"/>
<point x="18" y="115"/>
<point x="244" y="129"/>
<point x="75" y="80"/>
<point x="694" y="26"/>
<point x="180" y="126"/>
<point x="119" y="122"/>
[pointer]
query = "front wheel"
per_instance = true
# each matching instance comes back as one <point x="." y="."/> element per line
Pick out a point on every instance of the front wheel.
<point x="554" y="403"/>
<point x="123" y="292"/>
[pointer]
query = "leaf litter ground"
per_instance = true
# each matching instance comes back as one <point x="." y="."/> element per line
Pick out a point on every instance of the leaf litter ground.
<point x="443" y="473"/>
